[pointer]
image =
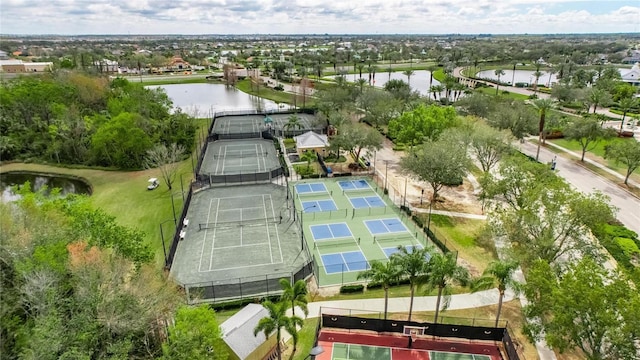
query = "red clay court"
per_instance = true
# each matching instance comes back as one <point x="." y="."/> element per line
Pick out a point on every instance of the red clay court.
<point x="344" y="345"/>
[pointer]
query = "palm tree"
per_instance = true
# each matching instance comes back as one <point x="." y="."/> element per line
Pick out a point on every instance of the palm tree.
<point x="431" y="69"/>
<point x="318" y="70"/>
<point x="498" y="274"/>
<point x="543" y="105"/>
<point x="360" y="67"/>
<point x="276" y="321"/>
<point x="513" y="75"/>
<point x="361" y="83"/>
<point x="436" y="89"/>
<point x="293" y="122"/>
<point x="389" y="70"/>
<point x="414" y="265"/>
<point x="308" y="156"/>
<point x="295" y="294"/>
<point x="408" y="74"/>
<point x="551" y="72"/>
<point x="537" y="75"/>
<point x="625" y="105"/>
<point x="444" y="271"/>
<point x="499" y="73"/>
<point x="382" y="273"/>
<point x="597" y="97"/>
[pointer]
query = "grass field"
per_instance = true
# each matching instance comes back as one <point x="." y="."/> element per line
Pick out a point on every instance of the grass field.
<point x="492" y="91"/>
<point x="124" y="195"/>
<point x="462" y="235"/>
<point x="597" y="154"/>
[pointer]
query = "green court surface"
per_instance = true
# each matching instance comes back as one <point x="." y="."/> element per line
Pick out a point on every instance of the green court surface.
<point x="340" y="351"/>
<point x="238" y="234"/>
<point x="359" y="352"/>
<point x="255" y="124"/>
<point x="246" y="156"/>
<point x="347" y="222"/>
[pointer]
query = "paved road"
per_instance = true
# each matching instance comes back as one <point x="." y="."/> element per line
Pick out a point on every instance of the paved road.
<point x="588" y="182"/>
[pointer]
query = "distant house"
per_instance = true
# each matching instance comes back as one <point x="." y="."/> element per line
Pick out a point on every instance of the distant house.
<point x="19" y="66"/>
<point x="237" y="333"/>
<point x="4" y="55"/>
<point x="178" y="64"/>
<point x="106" y="65"/>
<point x="311" y="141"/>
<point x="633" y="76"/>
<point x="634" y="58"/>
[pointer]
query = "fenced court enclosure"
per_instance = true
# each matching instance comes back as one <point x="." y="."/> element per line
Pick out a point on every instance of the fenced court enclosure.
<point x="369" y="338"/>
<point x="348" y="222"/>
<point x="253" y="125"/>
<point x="240" y="241"/>
<point x="245" y="156"/>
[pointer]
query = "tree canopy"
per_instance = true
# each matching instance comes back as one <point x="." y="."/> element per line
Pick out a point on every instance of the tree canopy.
<point x="72" y="118"/>
<point x="423" y="122"/>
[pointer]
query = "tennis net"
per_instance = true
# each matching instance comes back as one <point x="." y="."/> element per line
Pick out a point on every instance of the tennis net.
<point x="240" y="154"/>
<point x="333" y="244"/>
<point x="229" y="224"/>
<point x="403" y="237"/>
<point x="359" y="192"/>
<point x="314" y="195"/>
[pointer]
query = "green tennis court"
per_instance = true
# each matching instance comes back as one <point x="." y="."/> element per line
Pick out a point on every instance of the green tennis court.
<point x="341" y="351"/>
<point x="229" y="157"/>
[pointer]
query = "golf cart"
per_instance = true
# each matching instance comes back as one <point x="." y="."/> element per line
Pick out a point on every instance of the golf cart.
<point x="153" y="183"/>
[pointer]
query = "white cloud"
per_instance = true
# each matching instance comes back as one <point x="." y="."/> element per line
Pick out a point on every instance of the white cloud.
<point x="313" y="16"/>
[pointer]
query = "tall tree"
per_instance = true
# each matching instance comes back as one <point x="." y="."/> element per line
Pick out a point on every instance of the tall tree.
<point x="384" y="273"/>
<point x="423" y="122"/>
<point x="308" y="156"/>
<point x="443" y="272"/>
<point x="587" y="132"/>
<point x="488" y="145"/>
<point x="595" y="97"/>
<point x="498" y="274"/>
<point x="414" y="265"/>
<point x="439" y="163"/>
<point x="295" y="295"/>
<point x="499" y="73"/>
<point x="408" y="74"/>
<point x="543" y="106"/>
<point x="276" y="321"/>
<point x="358" y="137"/>
<point x="195" y="335"/>
<point x="625" y="105"/>
<point x="166" y="159"/>
<point x="599" y="322"/>
<point x="627" y="153"/>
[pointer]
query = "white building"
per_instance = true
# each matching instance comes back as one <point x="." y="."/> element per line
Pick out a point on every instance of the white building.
<point x="633" y="76"/>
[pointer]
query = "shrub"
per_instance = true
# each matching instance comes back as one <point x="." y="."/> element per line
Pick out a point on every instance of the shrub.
<point x="278" y="87"/>
<point x="350" y="289"/>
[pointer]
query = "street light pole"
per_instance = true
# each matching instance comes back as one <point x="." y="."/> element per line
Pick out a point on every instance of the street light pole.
<point x="386" y="171"/>
<point x="404" y="202"/>
<point x="429" y="218"/>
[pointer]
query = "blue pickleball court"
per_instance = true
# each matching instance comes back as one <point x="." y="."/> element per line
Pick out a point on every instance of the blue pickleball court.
<point x="344" y="261"/>
<point x="311" y="188"/>
<point x="367" y="202"/>
<point x="319" y="205"/>
<point x="330" y="231"/>
<point x="354" y="185"/>
<point x="385" y="226"/>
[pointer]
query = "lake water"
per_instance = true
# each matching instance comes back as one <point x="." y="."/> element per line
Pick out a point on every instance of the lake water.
<point x="67" y="185"/>
<point x="419" y="79"/>
<point x="199" y="99"/>
<point x="523" y="76"/>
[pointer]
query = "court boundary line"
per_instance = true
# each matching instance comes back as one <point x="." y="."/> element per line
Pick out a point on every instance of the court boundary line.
<point x="368" y="203"/>
<point x="333" y="238"/>
<point x="385" y="225"/>
<point x="345" y="260"/>
<point x="266" y="225"/>
<point x="355" y="188"/>
<point x="391" y="348"/>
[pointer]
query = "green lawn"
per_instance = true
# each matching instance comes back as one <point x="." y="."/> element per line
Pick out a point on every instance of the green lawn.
<point x="492" y="91"/>
<point x="597" y="154"/>
<point x="462" y="235"/>
<point x="124" y="195"/>
<point x="439" y="75"/>
<point x="270" y="94"/>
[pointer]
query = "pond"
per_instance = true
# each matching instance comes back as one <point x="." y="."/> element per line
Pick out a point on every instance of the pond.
<point x="67" y="185"/>
<point x="419" y="79"/>
<point x="199" y="99"/>
<point x="523" y="76"/>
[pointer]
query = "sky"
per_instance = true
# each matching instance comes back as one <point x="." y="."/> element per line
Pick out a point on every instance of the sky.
<point x="77" y="17"/>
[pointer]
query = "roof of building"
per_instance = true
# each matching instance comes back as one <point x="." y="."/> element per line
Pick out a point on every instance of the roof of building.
<point x="311" y="140"/>
<point x="237" y="331"/>
<point x="11" y="62"/>
<point x="633" y="74"/>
